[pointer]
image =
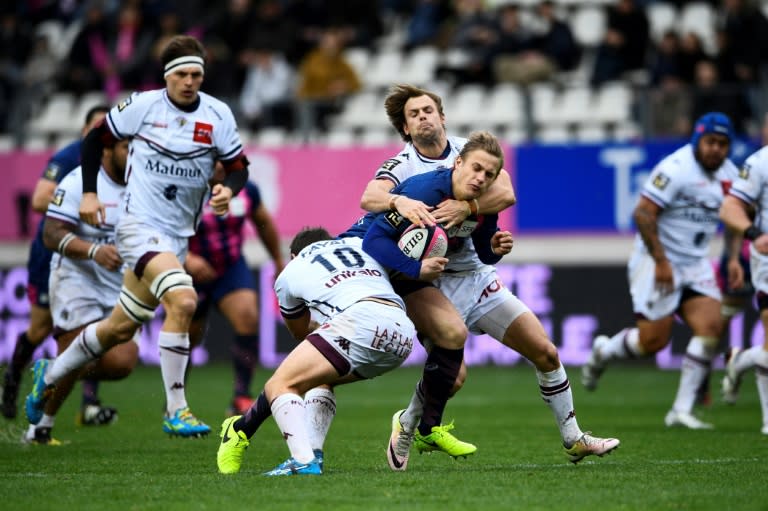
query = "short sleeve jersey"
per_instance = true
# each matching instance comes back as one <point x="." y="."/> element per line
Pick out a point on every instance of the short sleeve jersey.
<point x="751" y="182"/>
<point x="219" y="239"/>
<point x="172" y="156"/>
<point x="65" y="206"/>
<point x="690" y="200"/>
<point x="60" y="165"/>
<point x="329" y="276"/>
<point x="410" y="162"/>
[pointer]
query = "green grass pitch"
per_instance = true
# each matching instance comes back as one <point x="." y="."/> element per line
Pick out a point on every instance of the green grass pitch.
<point x="519" y="464"/>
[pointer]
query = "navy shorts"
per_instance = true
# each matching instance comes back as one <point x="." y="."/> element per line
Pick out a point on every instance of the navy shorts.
<point x="237" y="276"/>
<point x="38" y="271"/>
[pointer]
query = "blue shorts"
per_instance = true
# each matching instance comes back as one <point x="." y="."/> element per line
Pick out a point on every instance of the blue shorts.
<point x="38" y="271"/>
<point x="237" y="276"/>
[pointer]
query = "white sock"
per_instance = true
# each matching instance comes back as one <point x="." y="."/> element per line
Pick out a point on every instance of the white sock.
<point x="174" y="355"/>
<point x="288" y="411"/>
<point x="745" y="360"/>
<point x="696" y="365"/>
<point x="47" y="421"/>
<point x="761" y="373"/>
<point x="83" y="349"/>
<point x="319" y="409"/>
<point x="556" y="392"/>
<point x="623" y="345"/>
<point x="411" y="417"/>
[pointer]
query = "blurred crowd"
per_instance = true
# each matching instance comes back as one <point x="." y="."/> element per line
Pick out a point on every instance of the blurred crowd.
<point x="282" y="63"/>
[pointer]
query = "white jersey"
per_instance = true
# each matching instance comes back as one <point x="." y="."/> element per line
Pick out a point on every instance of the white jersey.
<point x="690" y="200"/>
<point x="84" y="274"/>
<point x="409" y="162"/>
<point x="172" y="156"/>
<point x="750" y="186"/>
<point x="329" y="276"/>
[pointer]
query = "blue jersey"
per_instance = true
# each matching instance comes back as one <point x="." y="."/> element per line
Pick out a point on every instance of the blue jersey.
<point x="382" y="230"/>
<point x="59" y="165"/>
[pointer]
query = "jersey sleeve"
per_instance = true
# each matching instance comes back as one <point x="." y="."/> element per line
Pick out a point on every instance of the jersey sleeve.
<point x="662" y="184"/>
<point x="62" y="163"/>
<point x="125" y="118"/>
<point x="291" y="306"/>
<point x="65" y="203"/>
<point x="226" y="137"/>
<point x="749" y="182"/>
<point x="395" y="169"/>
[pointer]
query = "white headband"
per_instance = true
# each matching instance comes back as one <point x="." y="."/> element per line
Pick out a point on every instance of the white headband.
<point x="186" y="61"/>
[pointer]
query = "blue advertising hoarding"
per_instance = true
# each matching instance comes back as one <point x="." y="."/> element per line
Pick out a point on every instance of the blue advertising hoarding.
<point x="586" y="188"/>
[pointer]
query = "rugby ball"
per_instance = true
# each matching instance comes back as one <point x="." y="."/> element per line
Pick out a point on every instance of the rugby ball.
<point x="422" y="242"/>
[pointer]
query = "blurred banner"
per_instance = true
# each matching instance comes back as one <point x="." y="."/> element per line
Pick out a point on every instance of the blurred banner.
<point x="574" y="303"/>
<point x="575" y="188"/>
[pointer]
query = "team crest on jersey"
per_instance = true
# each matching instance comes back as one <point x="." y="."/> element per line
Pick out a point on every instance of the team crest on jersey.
<point x="203" y="133"/>
<point x="170" y="192"/>
<point x="394" y="219"/>
<point x="390" y="164"/>
<point x="58" y="197"/>
<point x="124" y="103"/>
<point x="660" y="181"/>
<point x="744" y="172"/>
<point x="52" y="171"/>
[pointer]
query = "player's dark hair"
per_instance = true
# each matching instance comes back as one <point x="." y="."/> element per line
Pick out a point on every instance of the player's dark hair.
<point x="485" y="141"/>
<point x="93" y="111"/>
<point x="307" y="236"/>
<point x="394" y="104"/>
<point x="182" y="46"/>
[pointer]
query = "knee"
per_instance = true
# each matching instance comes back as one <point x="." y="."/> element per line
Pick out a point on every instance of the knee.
<point x="246" y="323"/>
<point x="181" y="304"/>
<point x="451" y="335"/>
<point x="547" y="359"/>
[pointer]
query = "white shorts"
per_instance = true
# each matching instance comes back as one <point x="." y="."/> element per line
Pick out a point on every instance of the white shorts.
<point x="75" y="302"/>
<point x="484" y="303"/>
<point x="135" y="238"/>
<point x="646" y="300"/>
<point x="368" y="338"/>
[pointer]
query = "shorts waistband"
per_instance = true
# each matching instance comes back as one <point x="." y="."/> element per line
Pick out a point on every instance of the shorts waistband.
<point x="383" y="301"/>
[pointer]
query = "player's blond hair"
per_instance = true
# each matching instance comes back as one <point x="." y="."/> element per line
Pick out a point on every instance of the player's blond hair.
<point x="484" y="141"/>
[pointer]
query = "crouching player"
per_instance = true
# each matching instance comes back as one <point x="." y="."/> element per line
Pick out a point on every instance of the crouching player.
<point x="85" y="282"/>
<point x="365" y="333"/>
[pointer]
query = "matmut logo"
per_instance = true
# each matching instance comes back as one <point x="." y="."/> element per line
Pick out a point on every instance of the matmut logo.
<point x="203" y="133"/>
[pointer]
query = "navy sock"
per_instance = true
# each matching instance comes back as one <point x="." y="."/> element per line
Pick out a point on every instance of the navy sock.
<point x="22" y="356"/>
<point x="90" y="392"/>
<point x="258" y="413"/>
<point x="440" y="372"/>
<point x="245" y="356"/>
